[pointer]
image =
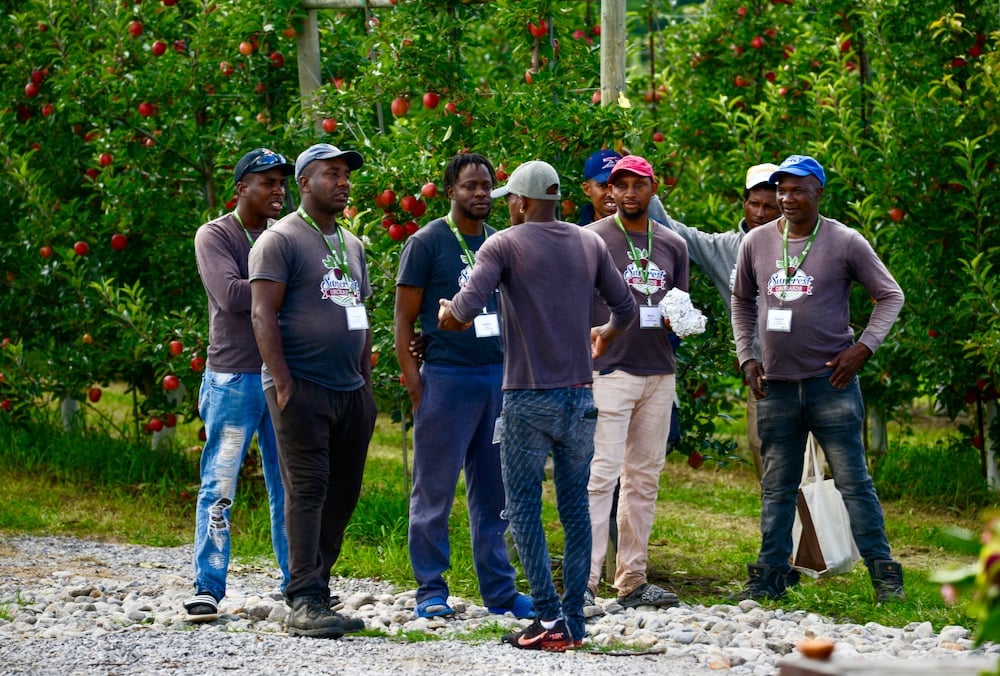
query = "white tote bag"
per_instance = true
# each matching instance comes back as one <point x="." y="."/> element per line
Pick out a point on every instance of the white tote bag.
<point x="822" y="543"/>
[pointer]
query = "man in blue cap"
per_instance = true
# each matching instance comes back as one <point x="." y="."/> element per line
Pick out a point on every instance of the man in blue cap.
<point x="792" y="287"/>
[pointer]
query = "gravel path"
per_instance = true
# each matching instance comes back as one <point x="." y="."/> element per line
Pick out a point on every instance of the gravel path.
<point x="70" y="606"/>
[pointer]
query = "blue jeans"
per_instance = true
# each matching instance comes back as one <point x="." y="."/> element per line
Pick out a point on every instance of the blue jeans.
<point x="835" y="416"/>
<point x="452" y="432"/>
<point x="233" y="408"/>
<point x="536" y="423"/>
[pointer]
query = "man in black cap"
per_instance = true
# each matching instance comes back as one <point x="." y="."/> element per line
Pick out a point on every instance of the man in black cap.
<point x="309" y="282"/>
<point x="231" y="402"/>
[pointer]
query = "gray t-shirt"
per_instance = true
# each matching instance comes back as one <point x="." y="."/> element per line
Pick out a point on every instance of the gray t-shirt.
<point x="221" y="249"/>
<point x="547" y="273"/>
<point x="316" y="341"/>
<point x="818" y="295"/>
<point x="434" y="261"/>
<point x="639" y="351"/>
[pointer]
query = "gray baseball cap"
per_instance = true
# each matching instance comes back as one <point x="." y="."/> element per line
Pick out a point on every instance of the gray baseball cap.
<point x="533" y="180"/>
<point x="325" y="151"/>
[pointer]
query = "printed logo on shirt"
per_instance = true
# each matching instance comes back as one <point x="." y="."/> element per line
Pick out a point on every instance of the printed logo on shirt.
<point x="463" y="276"/>
<point x="790" y="288"/>
<point x="654" y="283"/>
<point x="337" y="287"/>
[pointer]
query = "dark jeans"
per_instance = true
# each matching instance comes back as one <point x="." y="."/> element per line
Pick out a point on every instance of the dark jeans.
<point x="452" y="433"/>
<point x="835" y="416"/>
<point x="323" y="438"/>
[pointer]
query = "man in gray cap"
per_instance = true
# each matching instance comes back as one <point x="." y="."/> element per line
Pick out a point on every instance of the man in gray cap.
<point x="231" y="402"/>
<point x="547" y="271"/>
<point x="792" y="288"/>
<point x="309" y="282"/>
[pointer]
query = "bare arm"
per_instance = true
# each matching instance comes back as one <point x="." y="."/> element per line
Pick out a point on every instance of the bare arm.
<point x="408" y="300"/>
<point x="267" y="298"/>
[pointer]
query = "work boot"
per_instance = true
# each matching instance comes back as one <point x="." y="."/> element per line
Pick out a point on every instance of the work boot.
<point x="887" y="578"/>
<point x="766" y="582"/>
<point x="310" y="616"/>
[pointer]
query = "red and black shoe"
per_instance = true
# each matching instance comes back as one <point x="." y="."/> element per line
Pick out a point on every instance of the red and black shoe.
<point x="537" y="637"/>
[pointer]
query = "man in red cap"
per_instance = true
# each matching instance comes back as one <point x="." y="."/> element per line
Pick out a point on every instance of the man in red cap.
<point x="634" y="386"/>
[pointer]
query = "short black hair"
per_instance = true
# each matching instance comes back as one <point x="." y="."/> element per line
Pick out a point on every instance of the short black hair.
<point x="461" y="161"/>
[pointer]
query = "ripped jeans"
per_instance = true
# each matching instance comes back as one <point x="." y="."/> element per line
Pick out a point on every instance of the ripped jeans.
<point x="233" y="408"/>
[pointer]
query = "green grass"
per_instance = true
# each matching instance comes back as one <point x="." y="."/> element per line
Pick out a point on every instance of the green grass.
<point x="706" y="528"/>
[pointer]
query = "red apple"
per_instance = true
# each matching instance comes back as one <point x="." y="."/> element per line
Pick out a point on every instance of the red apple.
<point x="896" y="214"/>
<point x="741" y="11"/>
<point x="81" y="248"/>
<point x="94" y="394"/>
<point x="246" y="49"/>
<point x="37" y="76"/>
<point x="329" y="125"/>
<point x="226" y="68"/>
<point x="977" y="441"/>
<point x="538" y="30"/>
<point x="119" y="242"/>
<point x="385" y="199"/>
<point x="5" y="404"/>
<point x="741" y="81"/>
<point x="528" y="77"/>
<point x="388" y="220"/>
<point x="169" y="3"/>
<point x="147" y="109"/>
<point x="277" y="59"/>
<point x="135" y="28"/>
<point x="397" y="232"/>
<point x="197" y="364"/>
<point x="431" y="100"/>
<point x="695" y="460"/>
<point x="451" y="108"/>
<point x="657" y="137"/>
<point x="289" y="32"/>
<point x="31" y="90"/>
<point x="932" y="333"/>
<point x="159" y="48"/>
<point x="171" y="382"/>
<point x="202" y="434"/>
<point x="757" y="42"/>
<point x="155" y="424"/>
<point x="399" y="106"/>
<point x="180" y="46"/>
<point x="45" y="252"/>
<point x="175" y="347"/>
<point x="170" y="420"/>
<point x="411" y="227"/>
<point x="958" y="62"/>
<point x="429" y="190"/>
<point x="406" y="203"/>
<point x="48" y="109"/>
<point x="105" y="159"/>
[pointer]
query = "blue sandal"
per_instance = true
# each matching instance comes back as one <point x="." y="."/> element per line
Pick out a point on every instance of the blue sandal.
<point x="435" y="606"/>
<point x="522" y="608"/>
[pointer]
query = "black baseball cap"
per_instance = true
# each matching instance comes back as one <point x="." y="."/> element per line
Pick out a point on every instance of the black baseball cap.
<point x="260" y="160"/>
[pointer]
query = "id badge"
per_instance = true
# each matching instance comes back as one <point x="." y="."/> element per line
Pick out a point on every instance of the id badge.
<point x="779" y="319"/>
<point x="498" y="430"/>
<point x="357" y="317"/>
<point x="650" y="317"/>
<point x="487" y="325"/>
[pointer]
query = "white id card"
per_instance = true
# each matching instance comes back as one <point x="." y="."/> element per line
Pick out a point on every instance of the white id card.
<point x="498" y="430"/>
<point x="487" y="325"/>
<point x="650" y="317"/>
<point x="779" y="319"/>
<point x="357" y="317"/>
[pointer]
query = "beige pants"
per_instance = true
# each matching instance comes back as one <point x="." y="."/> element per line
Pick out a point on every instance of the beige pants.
<point x="633" y="422"/>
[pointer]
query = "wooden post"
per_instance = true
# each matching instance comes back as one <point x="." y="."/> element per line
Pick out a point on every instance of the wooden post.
<point x="612" y="50"/>
<point x="309" y="63"/>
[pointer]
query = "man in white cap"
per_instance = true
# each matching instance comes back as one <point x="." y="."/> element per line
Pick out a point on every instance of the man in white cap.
<point x="792" y="289"/>
<point x="715" y="254"/>
<point x="547" y="271"/>
<point x="309" y="281"/>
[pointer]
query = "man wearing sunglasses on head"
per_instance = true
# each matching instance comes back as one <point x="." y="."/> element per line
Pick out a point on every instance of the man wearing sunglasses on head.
<point x="231" y="401"/>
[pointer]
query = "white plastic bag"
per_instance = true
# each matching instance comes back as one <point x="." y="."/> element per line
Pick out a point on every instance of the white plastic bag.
<point x="822" y="543"/>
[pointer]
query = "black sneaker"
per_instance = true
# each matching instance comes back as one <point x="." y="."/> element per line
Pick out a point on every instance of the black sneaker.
<point x="887" y="578"/>
<point x="310" y="616"/>
<point x="350" y="624"/>
<point x="202" y="607"/>
<point x="649" y="595"/>
<point x="537" y="637"/>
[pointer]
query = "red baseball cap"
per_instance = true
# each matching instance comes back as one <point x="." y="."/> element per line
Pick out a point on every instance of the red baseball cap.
<point x="634" y="165"/>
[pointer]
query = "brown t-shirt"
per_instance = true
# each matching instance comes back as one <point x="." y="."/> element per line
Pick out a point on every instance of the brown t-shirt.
<point x="639" y="351"/>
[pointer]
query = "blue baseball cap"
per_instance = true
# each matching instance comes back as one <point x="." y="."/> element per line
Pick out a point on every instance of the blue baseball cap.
<point x="800" y="165"/>
<point x="599" y="165"/>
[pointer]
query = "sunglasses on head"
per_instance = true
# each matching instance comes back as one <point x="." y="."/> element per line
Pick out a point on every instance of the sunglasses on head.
<point x="266" y="159"/>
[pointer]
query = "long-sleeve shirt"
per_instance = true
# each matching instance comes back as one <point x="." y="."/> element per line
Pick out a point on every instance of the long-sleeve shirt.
<point x="818" y="295"/>
<point x="547" y="273"/>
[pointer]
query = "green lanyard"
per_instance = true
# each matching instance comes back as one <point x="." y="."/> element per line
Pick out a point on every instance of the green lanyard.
<point x="636" y="254"/>
<point x="470" y="255"/>
<point x="339" y="257"/>
<point x="245" y="231"/>
<point x="788" y="268"/>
